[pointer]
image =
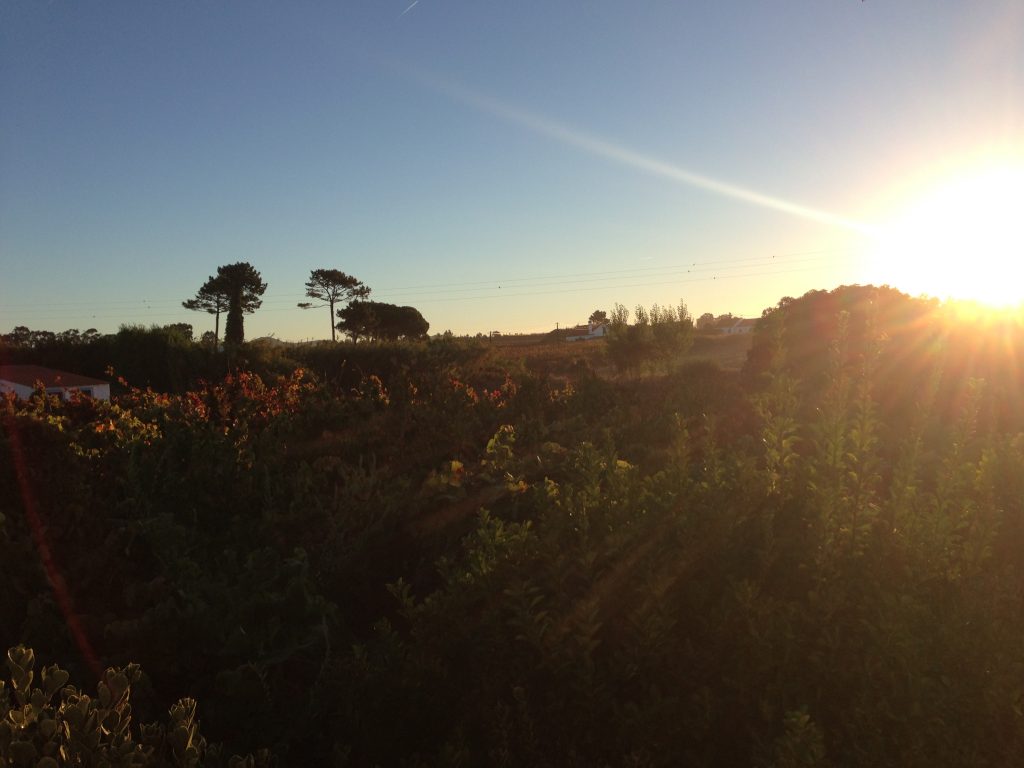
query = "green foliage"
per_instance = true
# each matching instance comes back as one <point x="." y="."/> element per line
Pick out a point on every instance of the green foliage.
<point x="158" y="357"/>
<point x="55" y="724"/>
<point x="627" y="345"/>
<point x="694" y="568"/>
<point x="657" y="338"/>
<point x="162" y="357"/>
<point x="376" y="320"/>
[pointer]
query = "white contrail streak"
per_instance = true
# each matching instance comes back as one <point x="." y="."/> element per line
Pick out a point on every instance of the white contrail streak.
<point x="411" y="6"/>
<point x="633" y="159"/>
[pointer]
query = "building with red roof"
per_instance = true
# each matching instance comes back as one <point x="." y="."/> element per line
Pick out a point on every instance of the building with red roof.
<point x="23" y="380"/>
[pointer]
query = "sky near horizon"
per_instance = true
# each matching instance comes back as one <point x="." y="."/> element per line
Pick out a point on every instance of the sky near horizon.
<point x="499" y="166"/>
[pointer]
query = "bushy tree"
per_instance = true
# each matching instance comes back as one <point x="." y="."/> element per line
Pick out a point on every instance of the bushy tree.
<point x="379" y="320"/>
<point x="657" y="336"/>
<point x="402" y="323"/>
<point x="726" y="321"/>
<point x="626" y="344"/>
<point x="23" y="337"/>
<point x="357" y="320"/>
<point x="163" y="358"/>
<point x="20" y="336"/>
<point x="671" y="330"/>
<point x="183" y="329"/>
<point x="332" y="287"/>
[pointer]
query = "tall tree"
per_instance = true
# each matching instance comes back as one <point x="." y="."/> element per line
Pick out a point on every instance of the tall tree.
<point x="213" y="298"/>
<point x="598" y="316"/>
<point x="244" y="287"/>
<point x="331" y="287"/>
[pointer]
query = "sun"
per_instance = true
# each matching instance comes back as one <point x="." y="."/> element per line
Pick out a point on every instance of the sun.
<point x="963" y="239"/>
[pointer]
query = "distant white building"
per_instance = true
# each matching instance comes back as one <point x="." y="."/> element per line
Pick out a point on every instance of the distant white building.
<point x="23" y="380"/>
<point x="740" y="326"/>
<point x="587" y="332"/>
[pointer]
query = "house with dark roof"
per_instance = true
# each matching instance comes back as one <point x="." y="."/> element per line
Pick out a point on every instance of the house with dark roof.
<point x="23" y="380"/>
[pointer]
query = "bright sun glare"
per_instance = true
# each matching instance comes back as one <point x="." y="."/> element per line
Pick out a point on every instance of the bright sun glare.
<point x="962" y="240"/>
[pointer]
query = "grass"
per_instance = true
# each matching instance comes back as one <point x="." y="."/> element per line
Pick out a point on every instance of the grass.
<point x="544" y="353"/>
<point x="729" y="352"/>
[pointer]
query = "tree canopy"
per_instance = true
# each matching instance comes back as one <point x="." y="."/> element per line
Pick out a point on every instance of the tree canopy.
<point x="705" y="322"/>
<point x="244" y="287"/>
<point x="377" y="320"/>
<point x="212" y="297"/>
<point x="332" y="287"/>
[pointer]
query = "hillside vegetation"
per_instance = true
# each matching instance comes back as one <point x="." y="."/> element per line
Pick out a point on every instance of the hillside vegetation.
<point x="435" y="554"/>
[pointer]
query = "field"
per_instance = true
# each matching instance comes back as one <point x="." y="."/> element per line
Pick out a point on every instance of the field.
<point x="541" y="353"/>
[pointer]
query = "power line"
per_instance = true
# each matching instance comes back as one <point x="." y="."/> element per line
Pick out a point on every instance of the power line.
<point x="566" y="279"/>
<point x="631" y="285"/>
<point x="511" y="294"/>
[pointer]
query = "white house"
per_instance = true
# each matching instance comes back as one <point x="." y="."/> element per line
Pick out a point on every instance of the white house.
<point x="740" y="326"/>
<point x="23" y="380"/>
<point x="587" y="332"/>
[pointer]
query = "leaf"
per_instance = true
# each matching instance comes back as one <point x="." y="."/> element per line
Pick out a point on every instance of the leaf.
<point x="118" y="683"/>
<point x="19" y="659"/>
<point x="54" y="678"/>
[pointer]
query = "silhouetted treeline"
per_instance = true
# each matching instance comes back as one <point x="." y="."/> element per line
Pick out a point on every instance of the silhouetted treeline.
<point x="164" y="358"/>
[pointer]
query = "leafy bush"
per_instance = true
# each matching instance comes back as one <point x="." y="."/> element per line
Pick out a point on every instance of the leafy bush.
<point x="56" y="724"/>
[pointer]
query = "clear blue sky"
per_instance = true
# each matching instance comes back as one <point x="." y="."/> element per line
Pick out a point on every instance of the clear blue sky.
<point x="499" y="165"/>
